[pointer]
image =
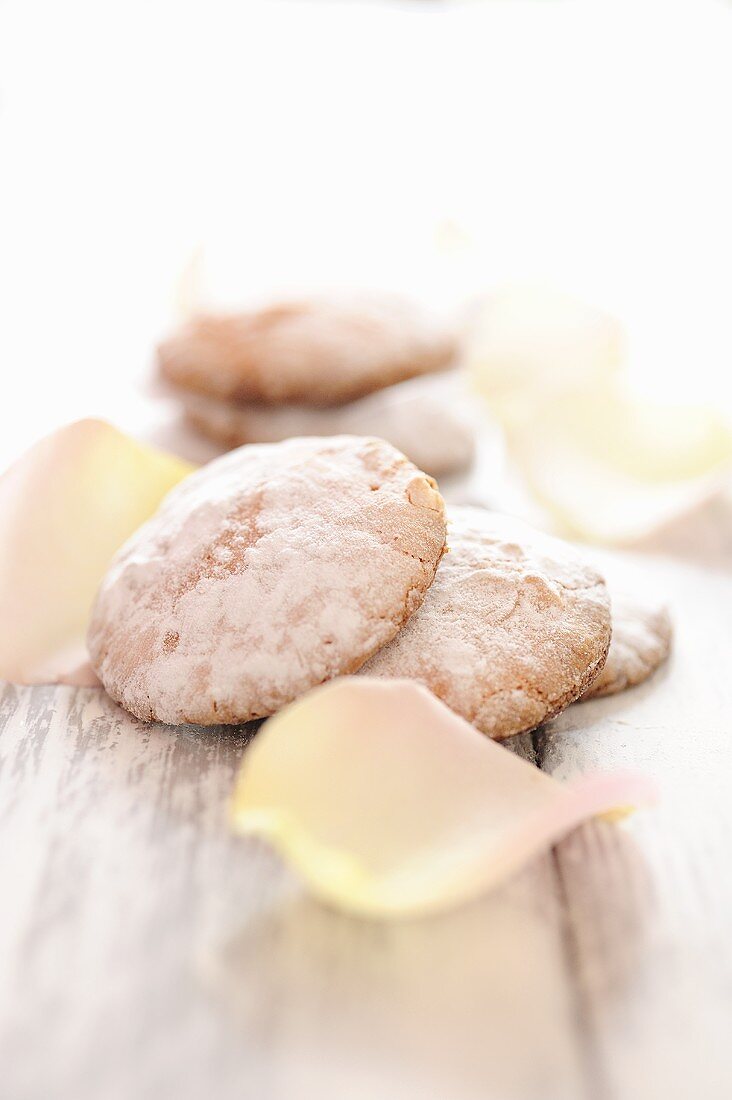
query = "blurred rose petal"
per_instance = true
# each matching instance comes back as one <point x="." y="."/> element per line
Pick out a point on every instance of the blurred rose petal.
<point x="612" y="469"/>
<point x="531" y="340"/>
<point x="65" y="507"/>
<point x="607" y="467"/>
<point x="388" y="804"/>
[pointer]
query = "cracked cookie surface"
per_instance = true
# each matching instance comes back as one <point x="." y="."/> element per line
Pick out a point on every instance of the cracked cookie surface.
<point x="268" y="571"/>
<point x="641" y="642"/>
<point x="513" y="629"/>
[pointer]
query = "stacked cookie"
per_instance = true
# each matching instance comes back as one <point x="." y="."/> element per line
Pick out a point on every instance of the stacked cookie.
<point x="277" y="567"/>
<point x="373" y="366"/>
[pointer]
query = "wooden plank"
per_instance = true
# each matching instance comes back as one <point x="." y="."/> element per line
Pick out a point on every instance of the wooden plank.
<point x="650" y="905"/>
<point x="147" y="953"/>
<point x="152" y="954"/>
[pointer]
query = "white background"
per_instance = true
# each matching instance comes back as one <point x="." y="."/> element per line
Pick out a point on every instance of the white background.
<point x="435" y="147"/>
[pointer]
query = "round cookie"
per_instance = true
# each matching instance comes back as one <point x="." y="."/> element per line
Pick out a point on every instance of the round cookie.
<point x="320" y="352"/>
<point x="268" y="571"/>
<point x="513" y="629"/>
<point x="421" y="418"/>
<point x="641" y="642"/>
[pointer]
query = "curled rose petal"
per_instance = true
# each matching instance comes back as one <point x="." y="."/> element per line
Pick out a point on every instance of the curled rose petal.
<point x="613" y="469"/>
<point x="607" y="467"/>
<point x="65" y="508"/>
<point x="388" y="804"/>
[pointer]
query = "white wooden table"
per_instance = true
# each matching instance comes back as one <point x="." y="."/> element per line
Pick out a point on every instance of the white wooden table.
<point x="144" y="952"/>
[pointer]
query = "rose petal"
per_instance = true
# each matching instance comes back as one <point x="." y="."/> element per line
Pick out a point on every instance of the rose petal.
<point x="65" y="507"/>
<point x="532" y="340"/>
<point x="388" y="804"/>
<point x="612" y="469"/>
<point x="607" y="467"/>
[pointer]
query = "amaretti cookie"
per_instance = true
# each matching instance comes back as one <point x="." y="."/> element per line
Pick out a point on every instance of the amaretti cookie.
<point x="373" y="366"/>
<point x="514" y="628"/>
<point x="268" y="571"/>
<point x="641" y="642"/>
<point x="424" y="418"/>
<point x="319" y="352"/>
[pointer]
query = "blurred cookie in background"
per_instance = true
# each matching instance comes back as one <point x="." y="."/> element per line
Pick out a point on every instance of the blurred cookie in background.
<point x="318" y="352"/>
<point x="426" y="419"/>
<point x="367" y="366"/>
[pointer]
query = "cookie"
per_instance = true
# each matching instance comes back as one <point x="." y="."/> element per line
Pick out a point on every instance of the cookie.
<point x="641" y="642"/>
<point x="268" y="571"/>
<point x="422" y="418"/>
<point x="314" y="353"/>
<point x="513" y="629"/>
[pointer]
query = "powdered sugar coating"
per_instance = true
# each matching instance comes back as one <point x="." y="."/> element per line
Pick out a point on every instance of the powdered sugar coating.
<point x="641" y="642"/>
<point x="319" y="352"/>
<point x="514" y="628"/>
<point x="424" y="418"/>
<point x="268" y="571"/>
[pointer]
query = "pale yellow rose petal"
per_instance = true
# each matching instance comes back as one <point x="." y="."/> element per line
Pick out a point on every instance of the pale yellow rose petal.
<point x="531" y="340"/>
<point x="388" y="804"/>
<point x="65" y="507"/>
<point x="609" y="468"/>
<point x="613" y="469"/>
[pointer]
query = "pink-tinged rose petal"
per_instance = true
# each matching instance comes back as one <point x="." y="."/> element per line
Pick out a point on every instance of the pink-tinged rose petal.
<point x="388" y="804"/>
<point x="65" y="508"/>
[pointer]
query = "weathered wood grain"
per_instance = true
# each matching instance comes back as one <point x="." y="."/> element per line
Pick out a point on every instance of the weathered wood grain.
<point x="650" y="904"/>
<point x="146" y="952"/>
